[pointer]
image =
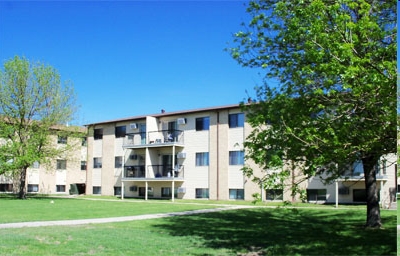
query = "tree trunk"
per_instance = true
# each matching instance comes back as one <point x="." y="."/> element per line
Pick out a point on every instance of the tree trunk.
<point x="373" y="210"/>
<point x="22" y="183"/>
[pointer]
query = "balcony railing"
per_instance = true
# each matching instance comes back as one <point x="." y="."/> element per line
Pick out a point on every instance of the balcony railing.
<point x="154" y="171"/>
<point x="134" y="171"/>
<point x="154" y="137"/>
<point x="165" y="171"/>
<point x="360" y="175"/>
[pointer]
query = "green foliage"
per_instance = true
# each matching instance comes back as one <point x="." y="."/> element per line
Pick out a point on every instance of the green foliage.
<point x="335" y="62"/>
<point x="34" y="104"/>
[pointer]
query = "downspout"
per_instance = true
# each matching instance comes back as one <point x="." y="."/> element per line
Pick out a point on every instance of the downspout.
<point x="217" y="155"/>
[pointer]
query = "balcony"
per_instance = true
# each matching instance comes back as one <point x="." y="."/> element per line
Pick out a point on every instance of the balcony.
<point x="134" y="171"/>
<point x="154" y="172"/>
<point x="355" y="176"/>
<point x="153" y="139"/>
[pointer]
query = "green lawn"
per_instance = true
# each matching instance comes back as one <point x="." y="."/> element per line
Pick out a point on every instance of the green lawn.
<point x="266" y="231"/>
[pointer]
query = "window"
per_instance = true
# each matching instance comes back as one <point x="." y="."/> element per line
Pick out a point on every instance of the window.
<point x="360" y="195"/>
<point x="117" y="191"/>
<point x="97" y="162"/>
<point x="274" y="194"/>
<point x="83" y="165"/>
<point x="96" y="190"/>
<point x="316" y="194"/>
<point x="84" y="141"/>
<point x="98" y="134"/>
<point x="61" y="164"/>
<point x="60" y="188"/>
<point x="202" y="123"/>
<point x="6" y="187"/>
<point x="62" y="139"/>
<point x="236" y="157"/>
<point x="33" y="188"/>
<point x="236" y="120"/>
<point x="236" y="194"/>
<point x="35" y="165"/>
<point x="118" y="162"/>
<point x="142" y="191"/>
<point x="167" y="192"/>
<point x="120" y="131"/>
<point x="202" y="193"/>
<point x="202" y="159"/>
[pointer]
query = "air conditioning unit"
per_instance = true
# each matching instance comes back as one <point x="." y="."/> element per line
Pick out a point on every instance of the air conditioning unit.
<point x="181" y="155"/>
<point x="133" y="126"/>
<point x="181" y="121"/>
<point x="181" y="190"/>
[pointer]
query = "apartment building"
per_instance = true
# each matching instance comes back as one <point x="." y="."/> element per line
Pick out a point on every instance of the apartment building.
<point x="198" y="154"/>
<point x="187" y="154"/>
<point x="57" y="176"/>
<point x="192" y="154"/>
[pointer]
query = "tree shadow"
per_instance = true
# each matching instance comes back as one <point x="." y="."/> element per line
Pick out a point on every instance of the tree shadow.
<point x="285" y="232"/>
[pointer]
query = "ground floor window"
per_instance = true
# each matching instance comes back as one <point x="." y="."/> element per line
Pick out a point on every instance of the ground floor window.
<point x="316" y="194"/>
<point x="274" y="194"/>
<point x="236" y="194"/>
<point x="6" y="187"/>
<point x="117" y="191"/>
<point x="167" y="192"/>
<point x="202" y="193"/>
<point x="142" y="191"/>
<point x="33" y="188"/>
<point x="60" y="188"/>
<point x="359" y="195"/>
<point x="96" y="190"/>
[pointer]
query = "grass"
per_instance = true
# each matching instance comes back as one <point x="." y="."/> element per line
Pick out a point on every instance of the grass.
<point x="41" y="209"/>
<point x="256" y="231"/>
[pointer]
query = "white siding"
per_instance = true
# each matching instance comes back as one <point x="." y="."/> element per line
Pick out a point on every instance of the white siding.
<point x="33" y="177"/>
<point x="61" y="177"/>
<point x="96" y="177"/>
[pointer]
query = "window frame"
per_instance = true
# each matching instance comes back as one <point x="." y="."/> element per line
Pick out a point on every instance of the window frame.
<point x="97" y="163"/>
<point x="60" y="188"/>
<point x="61" y="164"/>
<point x="96" y="190"/>
<point x="83" y="165"/>
<point x="62" y="139"/>
<point x="118" y="162"/>
<point x="236" y="193"/>
<point x="202" y="193"/>
<point x="236" y="120"/>
<point x="202" y="159"/>
<point x="236" y="157"/>
<point x="202" y="123"/>
<point x="120" y="131"/>
<point x="98" y="134"/>
<point x="317" y="194"/>
<point x="276" y="194"/>
<point x="33" y="188"/>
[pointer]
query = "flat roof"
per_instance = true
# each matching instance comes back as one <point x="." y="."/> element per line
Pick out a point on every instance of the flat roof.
<point x="166" y="113"/>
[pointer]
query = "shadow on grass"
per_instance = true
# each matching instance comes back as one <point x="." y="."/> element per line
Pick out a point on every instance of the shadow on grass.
<point x="287" y="232"/>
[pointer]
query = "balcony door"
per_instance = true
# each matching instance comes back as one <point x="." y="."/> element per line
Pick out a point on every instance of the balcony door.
<point x="167" y="165"/>
<point x="142" y="130"/>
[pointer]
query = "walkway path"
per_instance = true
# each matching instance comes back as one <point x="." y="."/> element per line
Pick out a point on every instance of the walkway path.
<point x="113" y="219"/>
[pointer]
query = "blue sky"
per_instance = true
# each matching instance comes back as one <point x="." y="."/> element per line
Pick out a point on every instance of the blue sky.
<point x="128" y="58"/>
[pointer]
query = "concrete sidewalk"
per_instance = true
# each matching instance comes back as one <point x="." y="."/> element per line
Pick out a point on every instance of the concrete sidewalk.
<point x="113" y="219"/>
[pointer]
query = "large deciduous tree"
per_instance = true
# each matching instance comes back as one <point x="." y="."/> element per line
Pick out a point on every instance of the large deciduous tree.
<point x="333" y="100"/>
<point x="33" y="104"/>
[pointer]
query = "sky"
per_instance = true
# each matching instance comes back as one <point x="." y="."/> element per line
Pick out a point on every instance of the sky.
<point x="130" y="58"/>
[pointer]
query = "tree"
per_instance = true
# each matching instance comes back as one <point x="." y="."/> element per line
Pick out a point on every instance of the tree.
<point x="335" y="102"/>
<point x="34" y="105"/>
